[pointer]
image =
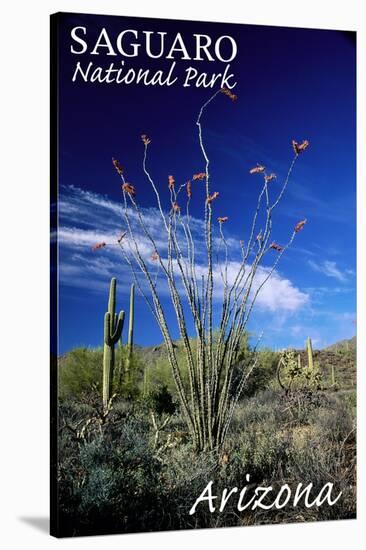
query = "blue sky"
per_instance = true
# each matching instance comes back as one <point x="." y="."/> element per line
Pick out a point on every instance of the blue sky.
<point x="291" y="83"/>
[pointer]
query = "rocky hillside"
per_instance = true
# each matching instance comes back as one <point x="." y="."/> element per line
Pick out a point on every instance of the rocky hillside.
<point x="342" y="356"/>
<point x="344" y="345"/>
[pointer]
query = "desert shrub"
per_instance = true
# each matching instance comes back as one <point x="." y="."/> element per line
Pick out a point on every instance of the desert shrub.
<point x="183" y="476"/>
<point x="318" y="459"/>
<point x="158" y="371"/>
<point x="300" y="404"/>
<point x="80" y="374"/>
<point x="160" y="401"/>
<point x="334" y="422"/>
<point x="350" y="398"/>
<point x="262" y="375"/>
<point x="259" y="451"/>
<point x="115" y="480"/>
<point x="129" y="373"/>
<point x="110" y="483"/>
<point x="265" y="407"/>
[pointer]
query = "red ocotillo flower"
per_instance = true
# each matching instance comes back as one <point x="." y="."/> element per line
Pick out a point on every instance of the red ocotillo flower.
<point x="270" y="177"/>
<point x="212" y="197"/>
<point x="299" y="147"/>
<point x="199" y="176"/>
<point x="117" y="166"/>
<point x="121" y="237"/>
<point x="154" y="256"/>
<point x="222" y="219"/>
<point x="189" y="189"/>
<point x="227" y="92"/>
<point x="98" y="246"/>
<point x="129" y="189"/>
<point x="176" y="207"/>
<point x="299" y="226"/>
<point x="171" y="182"/>
<point x="145" y="139"/>
<point x="259" y="169"/>
<point x="276" y="246"/>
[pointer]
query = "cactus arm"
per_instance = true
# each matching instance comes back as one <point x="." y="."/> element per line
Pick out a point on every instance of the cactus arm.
<point x="112" y="298"/>
<point x="107" y="330"/>
<point x="118" y="327"/>
<point x="279" y="366"/>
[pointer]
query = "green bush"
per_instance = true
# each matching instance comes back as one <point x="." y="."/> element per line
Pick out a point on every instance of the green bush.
<point x="80" y="374"/>
<point x="161" y="402"/>
<point x="263" y="374"/>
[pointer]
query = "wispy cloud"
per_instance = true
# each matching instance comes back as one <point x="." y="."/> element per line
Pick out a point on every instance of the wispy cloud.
<point x="87" y="218"/>
<point x="329" y="269"/>
<point x="330" y="209"/>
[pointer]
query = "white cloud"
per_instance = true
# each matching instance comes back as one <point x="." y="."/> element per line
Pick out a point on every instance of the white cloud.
<point x="276" y="294"/>
<point x="88" y="218"/>
<point x="329" y="269"/>
<point x="280" y="294"/>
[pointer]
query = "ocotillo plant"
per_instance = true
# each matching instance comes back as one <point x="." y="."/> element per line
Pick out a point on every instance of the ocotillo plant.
<point x="214" y="384"/>
<point x="131" y="319"/>
<point x="113" y="326"/>
<point x="121" y="361"/>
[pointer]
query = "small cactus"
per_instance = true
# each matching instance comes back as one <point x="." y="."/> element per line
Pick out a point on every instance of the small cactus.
<point x="292" y="374"/>
<point x="310" y="353"/>
<point x="113" y="326"/>
<point x="314" y="375"/>
<point x="333" y="375"/>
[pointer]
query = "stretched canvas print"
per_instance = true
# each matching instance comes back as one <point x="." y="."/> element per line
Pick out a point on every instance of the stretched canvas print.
<point x="203" y="348"/>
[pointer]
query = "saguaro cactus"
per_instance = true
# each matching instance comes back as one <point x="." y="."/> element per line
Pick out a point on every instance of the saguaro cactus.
<point x="333" y="375"/>
<point x="310" y="353"/>
<point x="113" y="326"/>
